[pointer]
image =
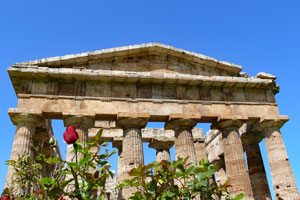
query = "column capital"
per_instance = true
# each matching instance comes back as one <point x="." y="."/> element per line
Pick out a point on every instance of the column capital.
<point x="79" y="120"/>
<point x="161" y="143"/>
<point x="26" y="118"/>
<point x="221" y="124"/>
<point x="251" y="139"/>
<point x="270" y="122"/>
<point x="180" y="123"/>
<point x="132" y="120"/>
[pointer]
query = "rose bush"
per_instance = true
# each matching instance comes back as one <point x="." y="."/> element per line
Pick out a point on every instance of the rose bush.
<point x="176" y="181"/>
<point x="34" y="179"/>
<point x="52" y="178"/>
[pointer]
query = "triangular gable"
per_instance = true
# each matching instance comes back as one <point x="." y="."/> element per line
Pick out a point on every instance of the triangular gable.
<point x="139" y="58"/>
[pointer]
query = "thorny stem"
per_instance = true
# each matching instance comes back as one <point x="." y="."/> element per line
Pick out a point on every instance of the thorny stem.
<point x="75" y="175"/>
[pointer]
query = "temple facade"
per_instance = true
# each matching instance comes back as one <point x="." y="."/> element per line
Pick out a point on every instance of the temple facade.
<point x="122" y="89"/>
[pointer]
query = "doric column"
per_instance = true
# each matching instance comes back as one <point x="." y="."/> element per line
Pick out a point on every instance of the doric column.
<point x="162" y="147"/>
<point x="82" y="125"/>
<point x="184" y="144"/>
<point x="200" y="149"/>
<point x="257" y="170"/>
<point x="41" y="139"/>
<point x="235" y="163"/>
<point x="132" y="147"/>
<point x="283" y="180"/>
<point x="43" y="135"/>
<point x="199" y="144"/>
<point x="117" y="143"/>
<point x="22" y="145"/>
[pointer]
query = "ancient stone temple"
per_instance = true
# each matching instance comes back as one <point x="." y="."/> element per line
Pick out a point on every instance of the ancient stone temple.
<point x="122" y="89"/>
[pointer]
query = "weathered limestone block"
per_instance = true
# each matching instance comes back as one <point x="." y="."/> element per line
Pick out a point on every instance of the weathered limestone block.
<point x="264" y="75"/>
<point x="235" y="163"/>
<point x="109" y="135"/>
<point x="132" y="147"/>
<point x="162" y="147"/>
<point x="214" y="147"/>
<point x="22" y="145"/>
<point x="184" y="144"/>
<point x="221" y="176"/>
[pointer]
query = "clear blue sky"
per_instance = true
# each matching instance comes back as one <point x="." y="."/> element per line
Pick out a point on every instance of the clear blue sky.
<point x="259" y="35"/>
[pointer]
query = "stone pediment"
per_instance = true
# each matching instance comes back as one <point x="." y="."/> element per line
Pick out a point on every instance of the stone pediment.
<point x="150" y="57"/>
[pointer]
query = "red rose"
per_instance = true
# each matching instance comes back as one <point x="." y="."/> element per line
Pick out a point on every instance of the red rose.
<point x="5" y="197"/>
<point x="70" y="135"/>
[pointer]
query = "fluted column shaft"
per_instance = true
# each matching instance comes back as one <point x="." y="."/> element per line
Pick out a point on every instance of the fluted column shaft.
<point x="236" y="167"/>
<point x="235" y="163"/>
<point x="132" y="150"/>
<point x="22" y="145"/>
<point x="184" y="144"/>
<point x="282" y="176"/>
<point x="257" y="172"/>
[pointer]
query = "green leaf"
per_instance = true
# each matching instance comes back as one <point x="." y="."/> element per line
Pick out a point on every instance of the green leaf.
<point x="79" y="147"/>
<point x="135" y="172"/>
<point x="46" y="180"/>
<point x="72" y="164"/>
<point x="97" y="137"/>
<point x="124" y="183"/>
<point x="53" y="160"/>
<point x="84" y="160"/>
<point x="238" y="197"/>
<point x="38" y="157"/>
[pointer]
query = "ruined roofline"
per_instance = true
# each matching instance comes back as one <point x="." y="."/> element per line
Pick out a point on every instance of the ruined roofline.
<point x="32" y="71"/>
<point x="130" y="50"/>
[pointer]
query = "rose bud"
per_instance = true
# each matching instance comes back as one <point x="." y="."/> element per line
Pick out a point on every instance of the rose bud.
<point x="70" y="135"/>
